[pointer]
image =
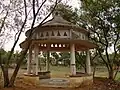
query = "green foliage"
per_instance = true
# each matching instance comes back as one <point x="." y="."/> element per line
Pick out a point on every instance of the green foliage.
<point x="68" y="13"/>
<point x="4" y="57"/>
<point x="102" y="17"/>
<point x="56" y="57"/>
<point x="65" y="57"/>
<point x="80" y="59"/>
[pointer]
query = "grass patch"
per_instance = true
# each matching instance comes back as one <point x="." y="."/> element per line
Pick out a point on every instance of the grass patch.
<point x="117" y="76"/>
<point x="59" y="71"/>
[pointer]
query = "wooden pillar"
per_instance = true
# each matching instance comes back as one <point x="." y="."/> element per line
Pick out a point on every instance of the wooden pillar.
<point x="73" y="66"/>
<point x="47" y="61"/>
<point x="36" y="52"/>
<point x="48" y="58"/>
<point x="88" y="65"/>
<point x="29" y="61"/>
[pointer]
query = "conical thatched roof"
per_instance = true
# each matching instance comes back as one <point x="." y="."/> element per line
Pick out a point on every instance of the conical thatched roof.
<point x="58" y="20"/>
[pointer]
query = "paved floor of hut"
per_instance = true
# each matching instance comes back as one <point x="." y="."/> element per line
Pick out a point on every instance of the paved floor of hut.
<point x="55" y="82"/>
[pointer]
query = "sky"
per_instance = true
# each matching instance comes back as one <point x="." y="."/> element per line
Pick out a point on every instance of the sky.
<point x="8" y="45"/>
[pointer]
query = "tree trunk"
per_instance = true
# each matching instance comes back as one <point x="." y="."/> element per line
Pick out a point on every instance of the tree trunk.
<point x="12" y="80"/>
<point x="111" y="74"/>
<point x="5" y="75"/>
<point x="116" y="72"/>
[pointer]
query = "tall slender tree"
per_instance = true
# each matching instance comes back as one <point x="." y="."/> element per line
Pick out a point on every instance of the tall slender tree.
<point x="23" y="13"/>
<point x="102" y="19"/>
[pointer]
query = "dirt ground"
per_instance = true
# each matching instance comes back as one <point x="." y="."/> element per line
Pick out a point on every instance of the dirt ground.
<point x="99" y="84"/>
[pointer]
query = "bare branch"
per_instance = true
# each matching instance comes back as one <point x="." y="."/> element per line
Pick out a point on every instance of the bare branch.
<point x="3" y="22"/>
<point x="33" y="8"/>
<point x="40" y="7"/>
<point x="12" y="50"/>
<point x="103" y="59"/>
<point x="115" y="47"/>
<point x="57" y="1"/>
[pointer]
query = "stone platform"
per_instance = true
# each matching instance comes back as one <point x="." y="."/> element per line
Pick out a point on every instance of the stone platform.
<point x="78" y="81"/>
<point x="68" y="81"/>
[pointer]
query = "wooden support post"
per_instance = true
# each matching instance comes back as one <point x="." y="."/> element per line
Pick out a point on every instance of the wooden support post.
<point x="47" y="61"/>
<point x="73" y="66"/>
<point x="48" y="58"/>
<point x="88" y="65"/>
<point x="29" y="61"/>
<point x="36" y="52"/>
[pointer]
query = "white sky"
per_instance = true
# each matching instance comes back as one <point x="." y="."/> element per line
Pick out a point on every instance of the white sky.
<point x="9" y="45"/>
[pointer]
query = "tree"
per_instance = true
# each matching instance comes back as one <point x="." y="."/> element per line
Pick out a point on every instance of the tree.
<point x="56" y="56"/>
<point x="65" y="58"/>
<point x="31" y="10"/>
<point x="81" y="60"/>
<point x="3" y="35"/>
<point x="68" y="13"/>
<point x="102" y="19"/>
